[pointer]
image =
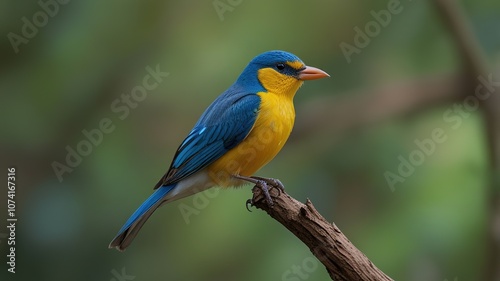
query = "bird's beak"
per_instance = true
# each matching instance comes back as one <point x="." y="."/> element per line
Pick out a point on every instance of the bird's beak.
<point x="312" y="73"/>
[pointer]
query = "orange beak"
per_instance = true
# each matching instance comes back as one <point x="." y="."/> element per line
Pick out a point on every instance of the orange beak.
<point x="312" y="73"/>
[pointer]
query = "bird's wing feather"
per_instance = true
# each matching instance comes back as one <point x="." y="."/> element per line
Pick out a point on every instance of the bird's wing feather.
<point x="225" y="123"/>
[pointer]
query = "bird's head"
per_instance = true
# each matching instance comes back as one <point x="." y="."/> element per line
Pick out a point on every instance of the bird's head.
<point x="278" y="72"/>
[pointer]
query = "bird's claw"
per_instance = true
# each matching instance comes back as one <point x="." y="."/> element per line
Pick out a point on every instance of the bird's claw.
<point x="249" y="202"/>
<point x="275" y="183"/>
<point x="264" y="184"/>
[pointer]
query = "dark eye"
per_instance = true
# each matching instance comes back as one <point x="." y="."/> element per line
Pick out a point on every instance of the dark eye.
<point x="280" y="66"/>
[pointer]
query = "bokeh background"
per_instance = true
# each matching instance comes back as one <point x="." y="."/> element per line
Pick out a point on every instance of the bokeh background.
<point x="350" y="131"/>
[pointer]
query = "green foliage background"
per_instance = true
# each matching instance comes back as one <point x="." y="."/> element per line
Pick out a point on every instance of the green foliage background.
<point x="432" y="227"/>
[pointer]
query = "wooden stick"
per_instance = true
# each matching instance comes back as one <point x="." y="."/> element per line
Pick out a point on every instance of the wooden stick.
<point x="342" y="259"/>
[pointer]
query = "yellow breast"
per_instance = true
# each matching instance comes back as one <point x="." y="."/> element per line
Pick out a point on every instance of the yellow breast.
<point x="272" y="127"/>
<point x="271" y="130"/>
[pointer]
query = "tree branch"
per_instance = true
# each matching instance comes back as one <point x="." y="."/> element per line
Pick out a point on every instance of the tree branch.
<point x="342" y="259"/>
<point x="471" y="54"/>
<point x="333" y="115"/>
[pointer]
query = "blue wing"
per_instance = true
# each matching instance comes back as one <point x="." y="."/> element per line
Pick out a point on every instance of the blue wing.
<point x="225" y="123"/>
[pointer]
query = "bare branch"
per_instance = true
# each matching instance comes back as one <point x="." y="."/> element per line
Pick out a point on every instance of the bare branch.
<point x="342" y="259"/>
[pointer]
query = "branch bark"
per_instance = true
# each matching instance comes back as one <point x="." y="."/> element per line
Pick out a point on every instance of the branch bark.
<point x="342" y="259"/>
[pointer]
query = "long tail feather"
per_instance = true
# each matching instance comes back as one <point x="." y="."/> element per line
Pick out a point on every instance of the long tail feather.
<point x="128" y="232"/>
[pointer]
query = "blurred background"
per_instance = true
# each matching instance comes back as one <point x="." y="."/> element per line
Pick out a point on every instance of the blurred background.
<point x="395" y="79"/>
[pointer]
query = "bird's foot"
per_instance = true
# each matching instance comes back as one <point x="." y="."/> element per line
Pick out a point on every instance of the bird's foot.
<point x="274" y="183"/>
<point x="264" y="184"/>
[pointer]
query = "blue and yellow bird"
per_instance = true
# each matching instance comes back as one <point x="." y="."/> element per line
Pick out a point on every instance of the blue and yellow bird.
<point x="239" y="133"/>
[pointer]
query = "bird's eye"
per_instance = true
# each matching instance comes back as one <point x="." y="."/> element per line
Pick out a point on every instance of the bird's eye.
<point x="280" y="66"/>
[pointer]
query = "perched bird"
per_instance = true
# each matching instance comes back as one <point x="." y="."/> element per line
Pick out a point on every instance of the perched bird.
<point x="241" y="131"/>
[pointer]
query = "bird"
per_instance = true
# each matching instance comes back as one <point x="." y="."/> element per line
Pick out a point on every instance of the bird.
<point x="241" y="131"/>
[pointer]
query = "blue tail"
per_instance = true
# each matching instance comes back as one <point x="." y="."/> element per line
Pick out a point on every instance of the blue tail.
<point x="128" y="232"/>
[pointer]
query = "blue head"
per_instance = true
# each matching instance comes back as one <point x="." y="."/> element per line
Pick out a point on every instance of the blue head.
<point x="277" y="72"/>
